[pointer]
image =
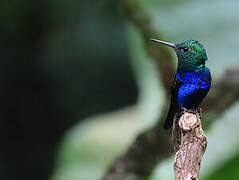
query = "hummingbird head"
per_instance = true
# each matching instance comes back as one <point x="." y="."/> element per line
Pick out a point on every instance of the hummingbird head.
<point x="191" y="54"/>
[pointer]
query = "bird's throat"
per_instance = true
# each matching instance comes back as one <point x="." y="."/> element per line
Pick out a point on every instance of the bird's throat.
<point x="189" y="75"/>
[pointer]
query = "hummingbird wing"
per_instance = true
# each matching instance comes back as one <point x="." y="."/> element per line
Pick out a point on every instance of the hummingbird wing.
<point x="174" y="106"/>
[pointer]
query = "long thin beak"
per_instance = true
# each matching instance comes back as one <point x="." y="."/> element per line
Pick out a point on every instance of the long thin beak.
<point x="165" y="43"/>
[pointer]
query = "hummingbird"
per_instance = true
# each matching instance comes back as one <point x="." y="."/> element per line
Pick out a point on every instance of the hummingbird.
<point x="192" y="80"/>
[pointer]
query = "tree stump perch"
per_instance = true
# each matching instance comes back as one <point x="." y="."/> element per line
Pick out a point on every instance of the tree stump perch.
<point x="193" y="143"/>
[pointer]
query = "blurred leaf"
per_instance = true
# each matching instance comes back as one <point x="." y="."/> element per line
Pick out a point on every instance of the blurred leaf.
<point x="90" y="148"/>
<point x="229" y="170"/>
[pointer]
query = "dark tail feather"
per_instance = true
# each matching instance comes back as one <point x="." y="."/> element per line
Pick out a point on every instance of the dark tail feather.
<point x="169" y="120"/>
<point x="173" y="109"/>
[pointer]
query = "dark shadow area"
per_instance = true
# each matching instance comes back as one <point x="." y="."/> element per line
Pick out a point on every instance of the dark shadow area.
<point x="60" y="62"/>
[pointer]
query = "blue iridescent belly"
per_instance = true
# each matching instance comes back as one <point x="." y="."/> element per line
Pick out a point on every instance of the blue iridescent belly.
<point x="194" y="88"/>
<point x="190" y="96"/>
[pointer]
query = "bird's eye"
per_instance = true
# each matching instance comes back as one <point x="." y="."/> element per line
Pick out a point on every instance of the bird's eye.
<point x="185" y="49"/>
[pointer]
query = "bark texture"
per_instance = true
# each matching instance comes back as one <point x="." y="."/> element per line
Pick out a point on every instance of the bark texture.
<point x="193" y="145"/>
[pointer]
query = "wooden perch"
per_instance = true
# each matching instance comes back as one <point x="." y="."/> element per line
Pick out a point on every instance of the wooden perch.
<point x="192" y="146"/>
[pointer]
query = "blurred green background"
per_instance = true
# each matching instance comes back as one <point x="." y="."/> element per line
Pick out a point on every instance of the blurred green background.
<point x="77" y="85"/>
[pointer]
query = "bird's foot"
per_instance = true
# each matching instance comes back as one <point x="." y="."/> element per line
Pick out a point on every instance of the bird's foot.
<point x="194" y="111"/>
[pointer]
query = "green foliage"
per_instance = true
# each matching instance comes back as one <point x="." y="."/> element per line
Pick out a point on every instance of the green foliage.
<point x="228" y="170"/>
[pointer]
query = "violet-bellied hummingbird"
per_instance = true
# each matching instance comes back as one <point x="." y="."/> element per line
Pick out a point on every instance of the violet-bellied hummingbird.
<point x="192" y="80"/>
